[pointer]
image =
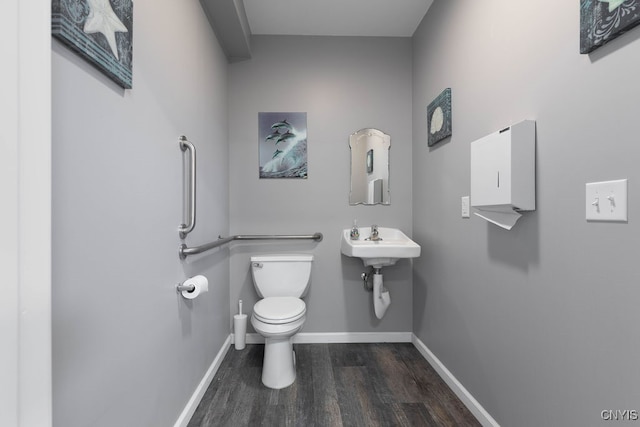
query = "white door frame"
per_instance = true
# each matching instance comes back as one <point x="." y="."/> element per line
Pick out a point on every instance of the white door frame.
<point x="25" y="214"/>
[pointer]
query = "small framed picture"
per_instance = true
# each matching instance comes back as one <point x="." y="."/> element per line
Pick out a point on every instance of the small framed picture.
<point x="100" y="31"/>
<point x="439" y="118"/>
<point x="282" y="145"/>
<point x="603" y="20"/>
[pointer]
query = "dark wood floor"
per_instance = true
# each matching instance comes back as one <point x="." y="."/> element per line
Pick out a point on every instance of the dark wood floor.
<point x="336" y="385"/>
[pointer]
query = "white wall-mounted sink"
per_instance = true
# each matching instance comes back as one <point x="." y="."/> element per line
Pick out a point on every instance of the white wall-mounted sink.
<point x="394" y="244"/>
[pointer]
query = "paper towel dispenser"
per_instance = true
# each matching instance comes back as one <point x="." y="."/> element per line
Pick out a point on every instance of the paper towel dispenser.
<point x="503" y="174"/>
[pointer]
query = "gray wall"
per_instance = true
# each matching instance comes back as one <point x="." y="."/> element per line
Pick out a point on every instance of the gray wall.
<point x="344" y="84"/>
<point x="127" y="350"/>
<point x="539" y="323"/>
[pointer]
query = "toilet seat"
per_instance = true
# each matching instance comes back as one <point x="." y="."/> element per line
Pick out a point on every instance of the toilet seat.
<point x="279" y="310"/>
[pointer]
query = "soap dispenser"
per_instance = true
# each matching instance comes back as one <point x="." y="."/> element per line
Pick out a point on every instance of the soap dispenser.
<point x="355" y="234"/>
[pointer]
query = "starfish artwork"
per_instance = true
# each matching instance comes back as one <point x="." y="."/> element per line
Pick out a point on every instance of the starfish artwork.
<point x="102" y="19"/>
<point x="100" y="31"/>
<point x="604" y="20"/>
<point x="613" y="4"/>
<point x="439" y="118"/>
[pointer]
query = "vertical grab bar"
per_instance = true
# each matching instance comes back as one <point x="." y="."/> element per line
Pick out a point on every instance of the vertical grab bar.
<point x="189" y="207"/>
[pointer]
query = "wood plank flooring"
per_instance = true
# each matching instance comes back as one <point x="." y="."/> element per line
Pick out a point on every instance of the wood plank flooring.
<point x="336" y="385"/>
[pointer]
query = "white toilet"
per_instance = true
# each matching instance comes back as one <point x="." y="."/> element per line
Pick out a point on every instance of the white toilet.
<point x="280" y="280"/>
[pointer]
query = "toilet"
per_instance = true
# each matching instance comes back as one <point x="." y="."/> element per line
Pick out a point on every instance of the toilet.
<point x="280" y="280"/>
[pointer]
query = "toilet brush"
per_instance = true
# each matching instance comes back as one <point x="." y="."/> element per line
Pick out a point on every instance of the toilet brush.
<point x="239" y="328"/>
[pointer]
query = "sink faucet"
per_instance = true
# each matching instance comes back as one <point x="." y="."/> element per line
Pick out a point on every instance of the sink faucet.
<point x="374" y="234"/>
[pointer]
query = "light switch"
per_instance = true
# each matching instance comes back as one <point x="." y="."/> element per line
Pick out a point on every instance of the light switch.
<point x="465" y="207"/>
<point x="606" y="201"/>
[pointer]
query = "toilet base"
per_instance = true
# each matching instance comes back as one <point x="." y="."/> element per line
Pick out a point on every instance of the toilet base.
<point x="279" y="365"/>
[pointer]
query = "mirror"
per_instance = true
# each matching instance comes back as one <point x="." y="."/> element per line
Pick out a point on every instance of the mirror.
<point x="369" y="167"/>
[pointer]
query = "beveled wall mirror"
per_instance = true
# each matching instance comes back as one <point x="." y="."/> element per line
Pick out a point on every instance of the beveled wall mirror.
<point x="369" y="167"/>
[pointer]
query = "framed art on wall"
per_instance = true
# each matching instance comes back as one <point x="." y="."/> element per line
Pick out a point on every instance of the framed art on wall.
<point x="439" y="118"/>
<point x="100" y="31"/>
<point x="603" y="20"/>
<point x="282" y="142"/>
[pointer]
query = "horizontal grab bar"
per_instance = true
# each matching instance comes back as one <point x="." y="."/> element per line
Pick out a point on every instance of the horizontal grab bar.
<point x="185" y="251"/>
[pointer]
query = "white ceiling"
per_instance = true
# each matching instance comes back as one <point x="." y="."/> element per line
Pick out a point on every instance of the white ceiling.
<point x="384" y="18"/>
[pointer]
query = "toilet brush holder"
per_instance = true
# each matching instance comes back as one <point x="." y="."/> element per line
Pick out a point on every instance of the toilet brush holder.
<point x="239" y="330"/>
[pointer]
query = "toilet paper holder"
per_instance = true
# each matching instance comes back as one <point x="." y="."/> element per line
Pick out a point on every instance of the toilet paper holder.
<point x="181" y="287"/>
<point x="193" y="287"/>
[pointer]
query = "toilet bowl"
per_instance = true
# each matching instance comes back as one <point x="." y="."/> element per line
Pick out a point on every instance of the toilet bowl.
<point x="278" y="319"/>
<point x="281" y="280"/>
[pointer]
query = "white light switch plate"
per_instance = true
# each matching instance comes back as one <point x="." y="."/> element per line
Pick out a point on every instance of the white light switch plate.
<point x="465" y="206"/>
<point x="606" y="201"/>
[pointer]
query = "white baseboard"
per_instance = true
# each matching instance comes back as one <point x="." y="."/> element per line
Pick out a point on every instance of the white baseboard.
<point x="463" y="394"/>
<point x="192" y="404"/>
<point x="337" y="337"/>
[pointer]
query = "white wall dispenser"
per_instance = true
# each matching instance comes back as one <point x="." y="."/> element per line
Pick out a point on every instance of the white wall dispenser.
<point x="503" y="174"/>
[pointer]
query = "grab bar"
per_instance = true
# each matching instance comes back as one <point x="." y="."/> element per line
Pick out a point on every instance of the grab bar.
<point x="189" y="207"/>
<point x="184" y="251"/>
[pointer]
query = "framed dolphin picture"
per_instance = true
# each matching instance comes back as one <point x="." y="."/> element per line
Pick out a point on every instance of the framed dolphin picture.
<point x="100" y="31"/>
<point x="603" y="20"/>
<point x="282" y="142"/>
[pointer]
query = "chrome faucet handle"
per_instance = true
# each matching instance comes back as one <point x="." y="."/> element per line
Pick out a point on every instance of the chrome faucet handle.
<point x="374" y="233"/>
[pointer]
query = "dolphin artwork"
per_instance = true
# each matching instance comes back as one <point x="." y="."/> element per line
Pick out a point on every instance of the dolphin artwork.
<point x="283" y="145"/>
<point x="285" y="137"/>
<point x="280" y="125"/>
<point x="275" y="135"/>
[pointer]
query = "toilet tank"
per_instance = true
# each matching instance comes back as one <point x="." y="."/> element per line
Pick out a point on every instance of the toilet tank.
<point x="281" y="275"/>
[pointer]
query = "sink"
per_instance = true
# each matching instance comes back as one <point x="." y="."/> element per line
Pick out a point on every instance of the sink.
<point x="394" y="244"/>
